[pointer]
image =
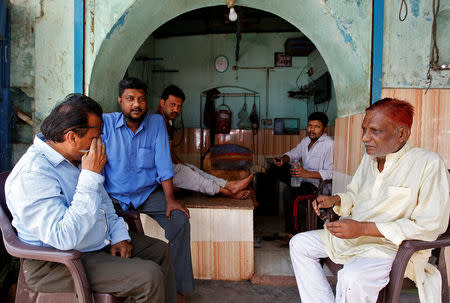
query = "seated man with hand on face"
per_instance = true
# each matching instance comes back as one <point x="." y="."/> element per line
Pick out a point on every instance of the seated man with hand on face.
<point x="186" y="175"/>
<point x="397" y="193"/>
<point x="56" y="197"/>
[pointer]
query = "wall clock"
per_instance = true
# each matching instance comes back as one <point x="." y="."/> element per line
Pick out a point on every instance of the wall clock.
<point x="221" y="63"/>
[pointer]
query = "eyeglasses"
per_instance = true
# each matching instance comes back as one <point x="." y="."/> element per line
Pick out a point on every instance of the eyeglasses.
<point x="323" y="215"/>
<point x="80" y="127"/>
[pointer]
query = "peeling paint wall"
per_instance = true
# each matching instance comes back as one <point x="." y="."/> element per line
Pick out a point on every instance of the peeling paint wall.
<point x="42" y="52"/>
<point x="22" y="132"/>
<point x="54" y="49"/>
<point x="407" y="44"/>
<point x="101" y="17"/>
<point x="23" y="14"/>
<point x="22" y="69"/>
<point x="41" y="62"/>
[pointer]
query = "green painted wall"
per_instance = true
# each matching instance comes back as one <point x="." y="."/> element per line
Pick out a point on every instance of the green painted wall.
<point x="22" y="70"/>
<point x="54" y="60"/>
<point x="41" y="62"/>
<point x="407" y="44"/>
<point x="193" y="57"/>
<point x="42" y="45"/>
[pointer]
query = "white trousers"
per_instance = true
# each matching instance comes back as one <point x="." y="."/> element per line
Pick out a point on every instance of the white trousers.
<point x="359" y="281"/>
<point x="189" y="177"/>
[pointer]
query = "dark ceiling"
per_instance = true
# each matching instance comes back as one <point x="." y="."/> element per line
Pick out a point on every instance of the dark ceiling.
<point x="214" y="20"/>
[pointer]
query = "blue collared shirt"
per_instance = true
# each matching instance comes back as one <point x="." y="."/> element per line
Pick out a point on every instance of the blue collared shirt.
<point x="55" y="204"/>
<point x="137" y="162"/>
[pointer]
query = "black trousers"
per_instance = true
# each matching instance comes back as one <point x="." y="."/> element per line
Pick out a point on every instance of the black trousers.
<point x="290" y="194"/>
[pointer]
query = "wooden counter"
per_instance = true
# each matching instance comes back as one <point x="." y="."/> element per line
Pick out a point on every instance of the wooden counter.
<point x="197" y="200"/>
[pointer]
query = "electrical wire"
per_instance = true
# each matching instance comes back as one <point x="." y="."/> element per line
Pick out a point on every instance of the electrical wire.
<point x="403" y="4"/>
<point x="302" y="72"/>
<point x="434" y="56"/>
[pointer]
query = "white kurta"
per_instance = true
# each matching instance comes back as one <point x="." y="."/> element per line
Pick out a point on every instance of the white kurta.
<point x="408" y="200"/>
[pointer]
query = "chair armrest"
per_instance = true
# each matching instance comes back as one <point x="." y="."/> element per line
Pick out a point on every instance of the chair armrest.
<point x="19" y="249"/>
<point x="70" y="258"/>
<point x="133" y="219"/>
<point x="404" y="253"/>
<point x="441" y="241"/>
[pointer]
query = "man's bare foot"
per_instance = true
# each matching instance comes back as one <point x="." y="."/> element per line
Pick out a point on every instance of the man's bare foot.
<point x="237" y="186"/>
<point x="243" y="194"/>
<point x="181" y="298"/>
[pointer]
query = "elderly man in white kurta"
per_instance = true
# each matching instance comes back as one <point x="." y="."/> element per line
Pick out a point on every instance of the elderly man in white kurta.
<point x="397" y="193"/>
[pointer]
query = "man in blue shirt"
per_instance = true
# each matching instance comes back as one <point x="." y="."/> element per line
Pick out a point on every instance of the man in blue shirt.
<point x="56" y="196"/>
<point x="139" y="173"/>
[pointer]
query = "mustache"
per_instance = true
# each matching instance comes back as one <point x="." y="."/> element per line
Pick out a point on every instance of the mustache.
<point x="174" y="114"/>
<point x="137" y="109"/>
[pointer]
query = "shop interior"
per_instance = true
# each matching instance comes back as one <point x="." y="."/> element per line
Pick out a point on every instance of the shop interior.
<point x="267" y="77"/>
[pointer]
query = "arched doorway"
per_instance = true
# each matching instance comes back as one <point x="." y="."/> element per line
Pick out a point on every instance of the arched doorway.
<point x="343" y="44"/>
<point x="343" y="49"/>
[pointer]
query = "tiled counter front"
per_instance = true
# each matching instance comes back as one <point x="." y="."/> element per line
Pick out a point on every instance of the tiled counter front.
<point x="221" y="237"/>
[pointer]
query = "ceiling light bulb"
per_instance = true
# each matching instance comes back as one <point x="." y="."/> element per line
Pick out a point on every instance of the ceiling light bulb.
<point x="232" y="16"/>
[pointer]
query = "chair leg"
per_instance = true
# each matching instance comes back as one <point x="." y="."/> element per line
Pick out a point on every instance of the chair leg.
<point x="381" y="296"/>
<point x="443" y="269"/>
<point x="397" y="272"/>
<point x="311" y="218"/>
<point x="24" y="293"/>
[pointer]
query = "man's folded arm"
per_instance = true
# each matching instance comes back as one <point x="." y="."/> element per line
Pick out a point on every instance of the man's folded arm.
<point x="45" y="213"/>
